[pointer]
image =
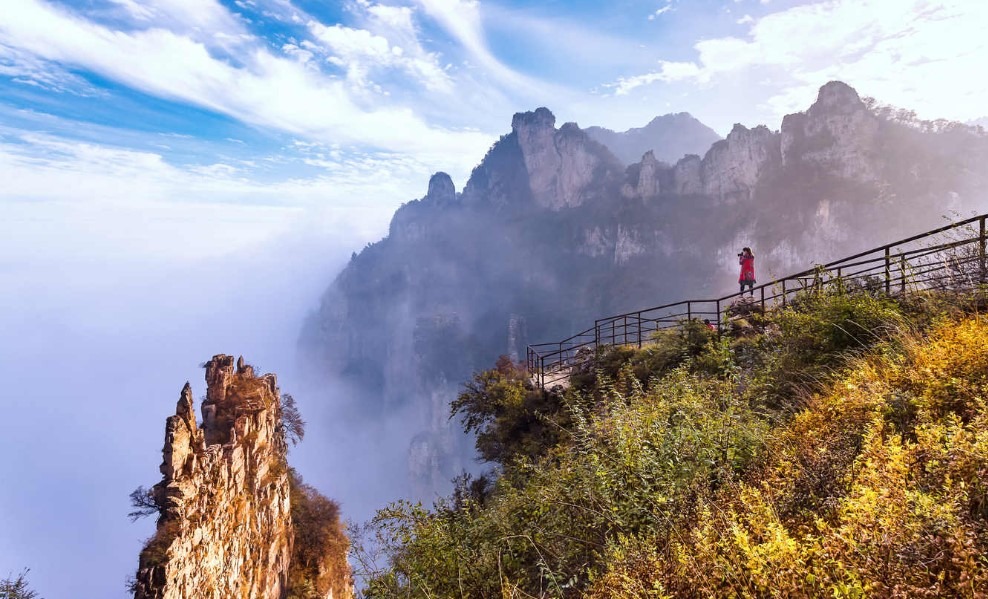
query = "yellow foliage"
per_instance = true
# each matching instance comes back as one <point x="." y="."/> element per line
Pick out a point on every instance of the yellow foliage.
<point x="876" y="489"/>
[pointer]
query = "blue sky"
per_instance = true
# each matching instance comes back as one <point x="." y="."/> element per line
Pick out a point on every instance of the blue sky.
<point x="180" y="178"/>
<point x="338" y="111"/>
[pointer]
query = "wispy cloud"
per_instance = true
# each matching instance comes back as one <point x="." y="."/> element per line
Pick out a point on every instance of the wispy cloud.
<point x="361" y="52"/>
<point x="462" y="19"/>
<point x="914" y="51"/>
<point x="28" y="69"/>
<point x="668" y="72"/>
<point x="661" y="11"/>
<point x="263" y="89"/>
<point x="63" y="190"/>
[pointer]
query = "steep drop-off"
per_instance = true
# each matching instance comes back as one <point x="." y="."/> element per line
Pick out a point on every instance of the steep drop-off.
<point x="552" y="231"/>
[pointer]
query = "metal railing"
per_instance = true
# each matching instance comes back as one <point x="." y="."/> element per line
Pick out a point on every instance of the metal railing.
<point x="952" y="257"/>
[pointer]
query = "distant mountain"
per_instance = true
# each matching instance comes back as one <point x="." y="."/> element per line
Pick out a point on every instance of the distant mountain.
<point x="668" y="137"/>
<point x="552" y="230"/>
<point x="982" y="122"/>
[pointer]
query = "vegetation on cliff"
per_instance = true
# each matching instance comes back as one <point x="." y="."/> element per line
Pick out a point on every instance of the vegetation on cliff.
<point x="319" y="567"/>
<point x="837" y="447"/>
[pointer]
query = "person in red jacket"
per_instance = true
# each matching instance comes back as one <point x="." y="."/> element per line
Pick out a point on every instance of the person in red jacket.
<point x="747" y="277"/>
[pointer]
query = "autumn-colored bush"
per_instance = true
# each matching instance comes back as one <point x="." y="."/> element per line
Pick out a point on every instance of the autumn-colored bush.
<point x="319" y="555"/>
<point x="854" y="500"/>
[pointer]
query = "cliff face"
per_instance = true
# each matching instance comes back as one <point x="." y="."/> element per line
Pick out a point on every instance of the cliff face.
<point x="550" y="232"/>
<point x="561" y="164"/>
<point x="225" y="527"/>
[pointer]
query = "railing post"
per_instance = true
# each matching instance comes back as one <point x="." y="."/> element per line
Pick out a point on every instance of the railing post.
<point x="718" y="310"/>
<point x="689" y="311"/>
<point x="542" y="370"/>
<point x="624" y="331"/>
<point x="596" y="335"/>
<point x="902" y="272"/>
<point x="639" y="330"/>
<point x="888" y="271"/>
<point x="762" y="291"/>
<point x="981" y="252"/>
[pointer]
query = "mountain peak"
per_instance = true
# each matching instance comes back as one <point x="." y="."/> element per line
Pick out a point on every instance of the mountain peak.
<point x="540" y="118"/>
<point x="441" y="188"/>
<point x="837" y="96"/>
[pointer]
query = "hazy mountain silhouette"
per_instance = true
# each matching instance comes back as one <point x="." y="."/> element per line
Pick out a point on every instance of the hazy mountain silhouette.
<point x="668" y="137"/>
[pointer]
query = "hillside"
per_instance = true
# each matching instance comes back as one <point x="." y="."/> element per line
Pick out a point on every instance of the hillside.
<point x="836" y="447"/>
<point x="552" y="230"/>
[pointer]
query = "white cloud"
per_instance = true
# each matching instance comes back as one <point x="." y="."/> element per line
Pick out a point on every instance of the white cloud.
<point x="262" y="89"/>
<point x="918" y="53"/>
<point x="28" y="69"/>
<point x="58" y="191"/>
<point x="359" y="52"/>
<point x="746" y="19"/>
<point x="668" y="72"/>
<point x="660" y="12"/>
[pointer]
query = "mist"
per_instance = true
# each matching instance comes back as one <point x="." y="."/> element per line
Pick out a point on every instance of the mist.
<point x="96" y="345"/>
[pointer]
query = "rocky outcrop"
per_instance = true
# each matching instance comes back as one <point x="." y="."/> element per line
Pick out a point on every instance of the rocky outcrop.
<point x="838" y="133"/>
<point x="734" y="165"/>
<point x="225" y="528"/>
<point x="441" y="189"/>
<point x="560" y="164"/>
<point x="225" y="525"/>
<point x="686" y="176"/>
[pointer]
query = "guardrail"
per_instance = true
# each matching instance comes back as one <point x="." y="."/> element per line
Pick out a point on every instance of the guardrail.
<point x="952" y="257"/>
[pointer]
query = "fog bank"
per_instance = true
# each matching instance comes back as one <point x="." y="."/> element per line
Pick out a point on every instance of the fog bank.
<point x="94" y="349"/>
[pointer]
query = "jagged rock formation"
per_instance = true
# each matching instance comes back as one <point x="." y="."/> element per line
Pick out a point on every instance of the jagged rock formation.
<point x="668" y="137"/>
<point x="225" y="527"/>
<point x="550" y="232"/>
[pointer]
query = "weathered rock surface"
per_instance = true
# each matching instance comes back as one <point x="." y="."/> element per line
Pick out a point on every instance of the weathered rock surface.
<point x="560" y="164"/>
<point x="837" y="133"/>
<point x="225" y="528"/>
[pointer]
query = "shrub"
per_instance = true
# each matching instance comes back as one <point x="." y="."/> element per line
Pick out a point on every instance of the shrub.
<point x="510" y="417"/>
<point x="16" y="588"/>
<point x="155" y="552"/>
<point x="318" y="566"/>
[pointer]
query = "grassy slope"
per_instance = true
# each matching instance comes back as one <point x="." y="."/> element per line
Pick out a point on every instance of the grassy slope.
<point x="836" y="449"/>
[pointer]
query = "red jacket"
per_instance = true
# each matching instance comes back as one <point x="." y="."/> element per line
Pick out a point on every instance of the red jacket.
<point x="747" y="269"/>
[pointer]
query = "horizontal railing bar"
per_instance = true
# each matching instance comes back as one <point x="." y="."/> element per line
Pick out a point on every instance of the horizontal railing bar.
<point x="877" y="269"/>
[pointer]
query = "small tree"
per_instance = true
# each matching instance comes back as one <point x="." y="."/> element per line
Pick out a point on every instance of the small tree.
<point x="16" y="588"/>
<point x="144" y="502"/>
<point x="291" y="419"/>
